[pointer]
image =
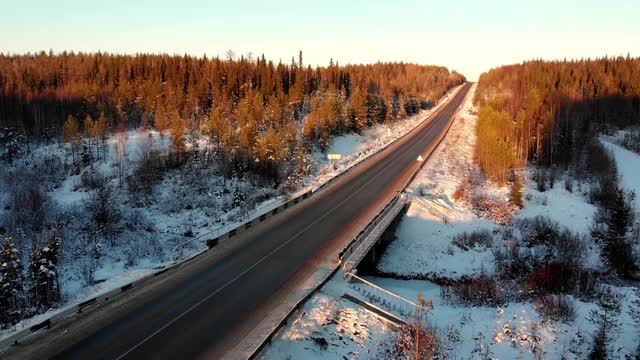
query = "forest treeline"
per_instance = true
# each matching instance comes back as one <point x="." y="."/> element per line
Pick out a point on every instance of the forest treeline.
<point x="550" y="115"/>
<point x="546" y="112"/>
<point x="264" y="114"/>
<point x="234" y="132"/>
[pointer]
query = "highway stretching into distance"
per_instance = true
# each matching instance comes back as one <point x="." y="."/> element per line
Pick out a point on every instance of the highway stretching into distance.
<point x="203" y="309"/>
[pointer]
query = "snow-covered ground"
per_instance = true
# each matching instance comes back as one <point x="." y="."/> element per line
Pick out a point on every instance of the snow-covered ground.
<point x="514" y="330"/>
<point x="628" y="164"/>
<point x="434" y="218"/>
<point x="189" y="202"/>
<point x="186" y="203"/>
<point x="331" y="327"/>
<point x="356" y="147"/>
<point x="423" y="249"/>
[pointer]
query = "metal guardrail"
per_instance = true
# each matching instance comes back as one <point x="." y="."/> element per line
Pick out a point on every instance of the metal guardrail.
<point x="293" y="310"/>
<point x="435" y="109"/>
<point x="77" y="309"/>
<point x="386" y="298"/>
<point x="367" y="238"/>
<point x="246" y="222"/>
<point x="362" y="235"/>
<point x="219" y="232"/>
<point x="395" y="320"/>
<point x="407" y="307"/>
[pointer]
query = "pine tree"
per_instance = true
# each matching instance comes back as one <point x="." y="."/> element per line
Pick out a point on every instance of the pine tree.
<point x="358" y="110"/>
<point x="238" y="198"/>
<point x="45" y="290"/>
<point x="218" y="128"/>
<point x="247" y="126"/>
<point x="178" y="132"/>
<point x="89" y="128"/>
<point x="70" y="134"/>
<point x="10" y="270"/>
<point x="100" y="132"/>
<point x="162" y="122"/>
<point x="516" y="192"/>
<point x="607" y="325"/>
<point x="617" y="250"/>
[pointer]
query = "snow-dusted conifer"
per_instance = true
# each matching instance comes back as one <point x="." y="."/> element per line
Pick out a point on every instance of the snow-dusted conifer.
<point x="9" y="281"/>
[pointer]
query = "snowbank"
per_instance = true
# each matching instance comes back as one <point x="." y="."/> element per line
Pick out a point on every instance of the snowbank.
<point x="330" y="327"/>
<point x="423" y="246"/>
<point x="514" y="331"/>
<point x="356" y="147"/>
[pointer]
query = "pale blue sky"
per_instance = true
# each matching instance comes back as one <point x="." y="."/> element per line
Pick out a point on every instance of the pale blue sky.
<point x="468" y="36"/>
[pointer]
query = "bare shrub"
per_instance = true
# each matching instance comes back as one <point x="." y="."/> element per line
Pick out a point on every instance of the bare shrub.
<point x="29" y="205"/>
<point x="513" y="261"/>
<point x="150" y="170"/>
<point x="557" y="308"/>
<point x="568" y="184"/>
<point x="88" y="268"/>
<point x="462" y="192"/>
<point x="142" y="247"/>
<point x="587" y="285"/>
<point x="102" y="207"/>
<point x="482" y="290"/>
<point x="562" y="265"/>
<point x="90" y="179"/>
<point x="479" y="238"/>
<point x="499" y="211"/>
<point x="552" y="279"/>
<point x="541" y="179"/>
<point x="539" y="230"/>
<point x="48" y="170"/>
<point x="405" y="346"/>
<point x="601" y="171"/>
<point x="631" y="140"/>
<point x="551" y="262"/>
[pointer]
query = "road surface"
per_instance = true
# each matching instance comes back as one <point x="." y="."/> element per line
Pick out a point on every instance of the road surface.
<point x="203" y="310"/>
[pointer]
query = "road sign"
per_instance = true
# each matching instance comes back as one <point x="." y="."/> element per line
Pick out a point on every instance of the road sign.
<point x="420" y="159"/>
<point x="334" y="156"/>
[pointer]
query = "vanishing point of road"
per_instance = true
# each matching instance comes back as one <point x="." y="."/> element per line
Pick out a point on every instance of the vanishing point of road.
<point x="205" y="308"/>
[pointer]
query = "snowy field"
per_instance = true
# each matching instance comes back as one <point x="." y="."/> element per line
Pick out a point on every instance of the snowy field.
<point x="517" y="330"/>
<point x="183" y="205"/>
<point x="628" y="164"/>
<point x="188" y="203"/>
<point x="433" y="218"/>
<point x="424" y="247"/>
<point x="518" y="327"/>
<point x="331" y="327"/>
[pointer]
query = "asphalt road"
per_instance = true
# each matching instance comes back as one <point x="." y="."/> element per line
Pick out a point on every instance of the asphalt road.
<point x="208" y="307"/>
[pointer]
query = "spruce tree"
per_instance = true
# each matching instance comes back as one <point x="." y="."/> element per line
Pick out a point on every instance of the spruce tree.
<point x="162" y="122"/>
<point x="10" y="270"/>
<point x="45" y="290"/>
<point x="606" y="327"/>
<point x="617" y="249"/>
<point x="238" y="198"/>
